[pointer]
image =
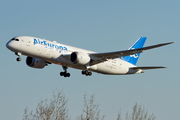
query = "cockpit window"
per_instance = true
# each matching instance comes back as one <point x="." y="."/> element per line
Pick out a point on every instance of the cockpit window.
<point x="15" y="39"/>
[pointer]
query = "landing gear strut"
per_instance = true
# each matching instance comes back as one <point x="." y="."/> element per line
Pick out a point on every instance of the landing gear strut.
<point x="65" y="74"/>
<point x="86" y="72"/>
<point x="18" y="54"/>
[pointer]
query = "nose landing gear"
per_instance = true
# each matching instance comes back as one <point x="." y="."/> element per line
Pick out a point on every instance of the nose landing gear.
<point x="18" y="54"/>
<point x="18" y="59"/>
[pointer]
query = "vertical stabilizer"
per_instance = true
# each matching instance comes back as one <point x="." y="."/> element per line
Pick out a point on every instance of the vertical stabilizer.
<point x="138" y="44"/>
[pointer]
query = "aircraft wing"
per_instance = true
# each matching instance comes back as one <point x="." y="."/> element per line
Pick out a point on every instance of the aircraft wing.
<point x="100" y="57"/>
<point x="148" y="68"/>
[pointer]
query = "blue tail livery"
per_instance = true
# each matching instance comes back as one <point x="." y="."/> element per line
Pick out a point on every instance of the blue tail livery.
<point x="138" y="44"/>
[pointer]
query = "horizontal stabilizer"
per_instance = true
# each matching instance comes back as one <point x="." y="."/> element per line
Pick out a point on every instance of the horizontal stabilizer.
<point x="148" y="68"/>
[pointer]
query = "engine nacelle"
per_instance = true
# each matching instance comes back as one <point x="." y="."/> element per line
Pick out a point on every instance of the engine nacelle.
<point x="79" y="58"/>
<point x="35" y="62"/>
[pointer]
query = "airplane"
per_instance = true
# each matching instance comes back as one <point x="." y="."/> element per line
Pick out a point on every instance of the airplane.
<point x="41" y="52"/>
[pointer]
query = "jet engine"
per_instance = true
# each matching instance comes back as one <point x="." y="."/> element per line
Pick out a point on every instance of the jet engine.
<point x="79" y="58"/>
<point x="35" y="62"/>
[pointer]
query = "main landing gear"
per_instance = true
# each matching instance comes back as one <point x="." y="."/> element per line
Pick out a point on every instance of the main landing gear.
<point x="18" y="54"/>
<point x="65" y="74"/>
<point x="86" y="72"/>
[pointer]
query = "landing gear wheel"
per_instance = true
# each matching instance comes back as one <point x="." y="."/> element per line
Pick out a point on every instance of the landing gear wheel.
<point x="68" y="74"/>
<point x="61" y="73"/>
<point x="18" y="59"/>
<point x="87" y="73"/>
<point x="83" y="72"/>
<point x="64" y="74"/>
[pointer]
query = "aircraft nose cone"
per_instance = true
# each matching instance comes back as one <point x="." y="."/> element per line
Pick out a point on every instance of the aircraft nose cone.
<point x="9" y="45"/>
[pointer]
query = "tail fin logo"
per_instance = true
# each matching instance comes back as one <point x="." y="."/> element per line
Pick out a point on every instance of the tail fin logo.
<point x="134" y="55"/>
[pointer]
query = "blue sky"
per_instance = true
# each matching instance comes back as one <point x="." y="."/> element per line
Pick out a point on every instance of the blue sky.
<point x="101" y="26"/>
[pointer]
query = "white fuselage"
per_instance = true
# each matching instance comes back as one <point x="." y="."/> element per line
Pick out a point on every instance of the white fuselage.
<point x="54" y="52"/>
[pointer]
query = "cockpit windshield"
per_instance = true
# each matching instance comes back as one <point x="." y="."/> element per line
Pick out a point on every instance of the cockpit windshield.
<point x="15" y="39"/>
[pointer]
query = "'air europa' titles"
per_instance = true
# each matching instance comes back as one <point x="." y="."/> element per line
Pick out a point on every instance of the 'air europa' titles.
<point x="50" y="46"/>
